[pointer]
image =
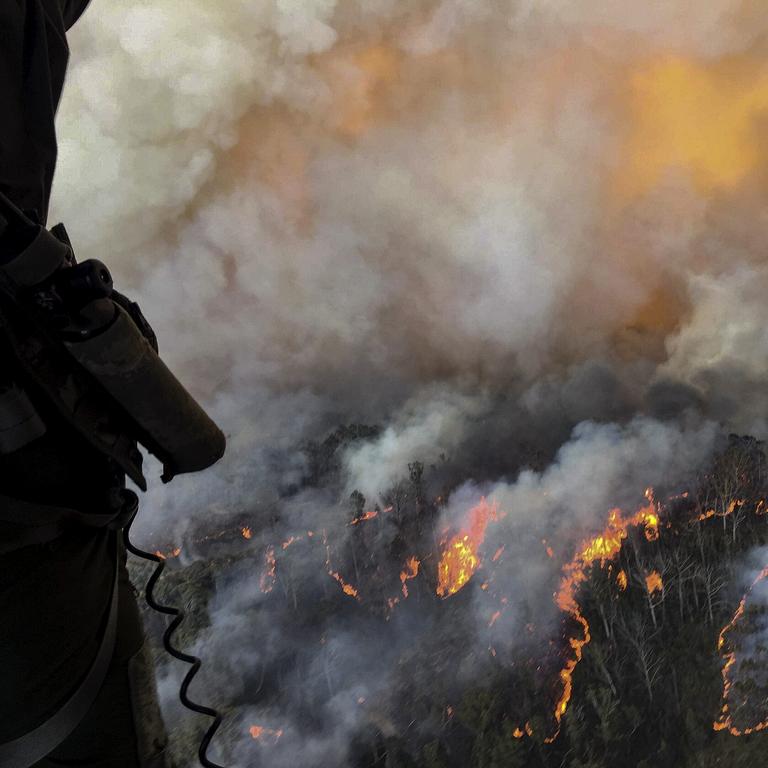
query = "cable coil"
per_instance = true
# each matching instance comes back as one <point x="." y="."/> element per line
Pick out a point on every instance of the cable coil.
<point x="178" y="617"/>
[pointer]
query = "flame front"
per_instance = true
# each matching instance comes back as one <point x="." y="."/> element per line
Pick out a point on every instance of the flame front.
<point x="725" y="719"/>
<point x="461" y="558"/>
<point x="346" y="587"/>
<point x="603" y="547"/>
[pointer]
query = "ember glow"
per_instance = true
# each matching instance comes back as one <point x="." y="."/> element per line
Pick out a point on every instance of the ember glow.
<point x="411" y="571"/>
<point x="267" y="580"/>
<point x="726" y="511"/>
<point x="364" y="517"/>
<point x="169" y="554"/>
<point x="461" y="557"/>
<point x="654" y="583"/>
<point x="346" y="587"/>
<point x="265" y="735"/>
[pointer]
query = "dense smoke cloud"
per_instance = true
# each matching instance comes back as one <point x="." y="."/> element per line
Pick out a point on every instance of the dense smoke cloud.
<point x="474" y="225"/>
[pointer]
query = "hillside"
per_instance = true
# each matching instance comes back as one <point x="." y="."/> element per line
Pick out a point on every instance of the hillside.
<point x="624" y="668"/>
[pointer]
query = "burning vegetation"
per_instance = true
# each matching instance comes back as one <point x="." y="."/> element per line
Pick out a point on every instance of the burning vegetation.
<point x="649" y="638"/>
<point x="461" y="553"/>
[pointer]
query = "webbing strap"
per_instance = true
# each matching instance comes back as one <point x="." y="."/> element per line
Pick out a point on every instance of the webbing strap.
<point x="33" y="746"/>
<point x="35" y="523"/>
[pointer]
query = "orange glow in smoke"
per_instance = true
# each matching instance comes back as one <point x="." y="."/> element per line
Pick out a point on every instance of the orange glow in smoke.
<point x="359" y="78"/>
<point x="703" y="119"/>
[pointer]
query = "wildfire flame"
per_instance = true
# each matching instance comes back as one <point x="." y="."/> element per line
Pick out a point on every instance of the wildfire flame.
<point x="725" y="719"/>
<point x="603" y="547"/>
<point x="171" y="553"/>
<point x="654" y="583"/>
<point x="411" y="571"/>
<point x="267" y="581"/>
<point x="259" y="733"/>
<point x="246" y="532"/>
<point x="347" y="588"/>
<point x="364" y="517"/>
<point x="726" y="512"/>
<point x="460" y="558"/>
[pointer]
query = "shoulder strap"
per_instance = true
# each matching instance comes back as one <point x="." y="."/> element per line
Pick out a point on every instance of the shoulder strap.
<point x="31" y="523"/>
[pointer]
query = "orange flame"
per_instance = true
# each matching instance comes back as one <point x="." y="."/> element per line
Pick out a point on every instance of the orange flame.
<point x="621" y="580"/>
<point x="364" y="517"/>
<point x="246" y="532"/>
<point x="726" y="512"/>
<point x="175" y="552"/>
<point x="654" y="583"/>
<point x="267" y="580"/>
<point x="603" y="547"/>
<point x="411" y="571"/>
<point x="259" y="733"/>
<point x="460" y="557"/>
<point x="346" y="588"/>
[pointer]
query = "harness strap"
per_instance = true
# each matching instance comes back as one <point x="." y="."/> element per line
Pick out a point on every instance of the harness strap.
<point x="38" y="523"/>
<point x="33" y="746"/>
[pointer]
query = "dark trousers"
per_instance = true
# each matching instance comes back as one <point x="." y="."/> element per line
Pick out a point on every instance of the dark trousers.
<point x="54" y="599"/>
<point x="123" y="728"/>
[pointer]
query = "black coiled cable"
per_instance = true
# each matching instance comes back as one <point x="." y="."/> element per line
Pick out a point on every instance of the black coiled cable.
<point x="178" y="618"/>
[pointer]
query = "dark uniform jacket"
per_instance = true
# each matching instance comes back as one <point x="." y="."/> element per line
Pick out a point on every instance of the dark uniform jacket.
<point x="53" y="597"/>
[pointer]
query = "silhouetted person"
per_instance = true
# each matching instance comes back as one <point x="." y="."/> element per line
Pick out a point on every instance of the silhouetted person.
<point x="55" y="595"/>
